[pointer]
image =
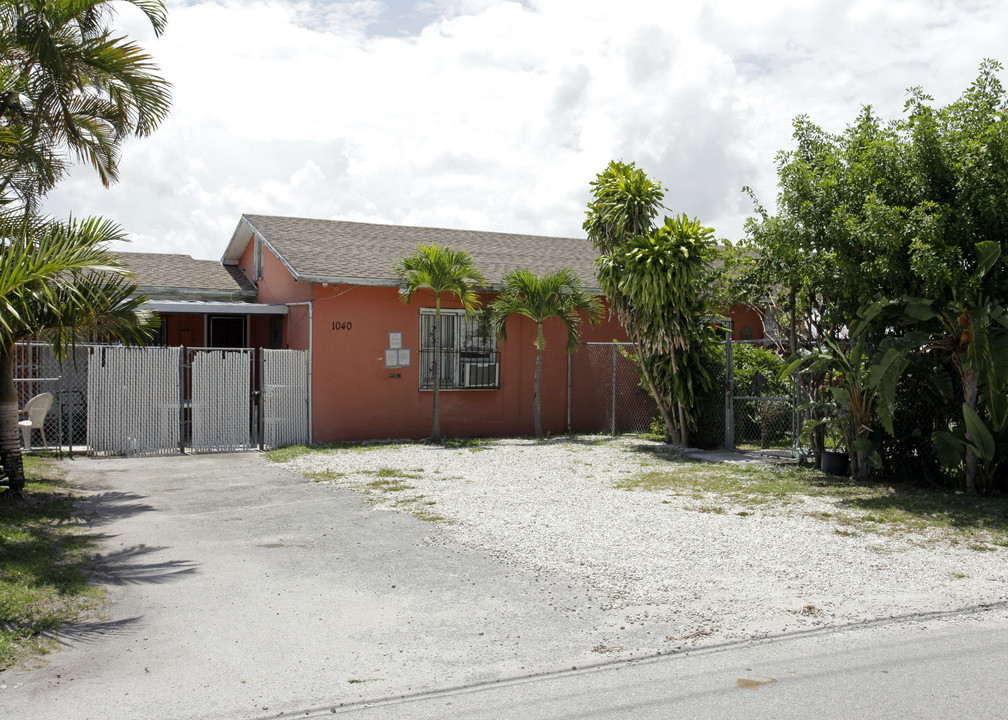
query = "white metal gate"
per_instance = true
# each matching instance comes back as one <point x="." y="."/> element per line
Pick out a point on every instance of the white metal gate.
<point x="133" y="400"/>
<point x="221" y="400"/>
<point x="284" y="398"/>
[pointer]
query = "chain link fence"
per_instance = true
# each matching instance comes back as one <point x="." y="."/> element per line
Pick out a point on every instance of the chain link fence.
<point x="607" y="395"/>
<point x="37" y="371"/>
<point x="750" y="407"/>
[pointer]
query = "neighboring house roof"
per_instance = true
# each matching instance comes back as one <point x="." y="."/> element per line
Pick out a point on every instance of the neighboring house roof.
<point x="162" y="276"/>
<point x="355" y="253"/>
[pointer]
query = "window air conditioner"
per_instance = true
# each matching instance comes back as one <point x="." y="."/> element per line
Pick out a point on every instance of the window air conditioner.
<point x="480" y="374"/>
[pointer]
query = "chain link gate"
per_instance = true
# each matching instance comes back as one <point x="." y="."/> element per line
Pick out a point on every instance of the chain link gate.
<point x="285" y="407"/>
<point x="221" y="409"/>
<point x="114" y="400"/>
<point x="133" y="400"/>
<point x="757" y="417"/>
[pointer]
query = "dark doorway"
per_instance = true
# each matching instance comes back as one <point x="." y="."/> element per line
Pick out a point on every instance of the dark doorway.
<point x="227" y="331"/>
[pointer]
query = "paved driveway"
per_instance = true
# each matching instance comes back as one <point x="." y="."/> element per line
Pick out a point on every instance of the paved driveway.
<point x="240" y="590"/>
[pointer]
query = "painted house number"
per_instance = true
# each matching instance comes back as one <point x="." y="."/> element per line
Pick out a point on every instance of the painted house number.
<point x="344" y="325"/>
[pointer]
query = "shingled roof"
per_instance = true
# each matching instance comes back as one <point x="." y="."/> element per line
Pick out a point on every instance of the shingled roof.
<point x="171" y="276"/>
<point x="341" y="252"/>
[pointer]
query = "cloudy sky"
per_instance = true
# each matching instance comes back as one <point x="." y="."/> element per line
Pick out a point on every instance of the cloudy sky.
<point x="497" y="114"/>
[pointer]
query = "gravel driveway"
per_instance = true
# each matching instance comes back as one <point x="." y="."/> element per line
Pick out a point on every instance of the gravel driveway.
<point x="676" y="567"/>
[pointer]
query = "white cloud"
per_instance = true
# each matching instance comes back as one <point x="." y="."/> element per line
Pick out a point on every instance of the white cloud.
<point x="496" y="115"/>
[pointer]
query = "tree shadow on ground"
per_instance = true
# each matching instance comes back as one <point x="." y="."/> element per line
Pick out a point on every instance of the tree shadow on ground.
<point x="107" y="507"/>
<point x="128" y="567"/>
<point x="964" y="512"/>
<point x="92" y="631"/>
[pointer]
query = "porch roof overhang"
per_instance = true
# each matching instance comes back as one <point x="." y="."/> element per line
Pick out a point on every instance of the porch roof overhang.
<point x="214" y="308"/>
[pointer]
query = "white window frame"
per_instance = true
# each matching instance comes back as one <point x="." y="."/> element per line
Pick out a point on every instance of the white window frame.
<point x="471" y="360"/>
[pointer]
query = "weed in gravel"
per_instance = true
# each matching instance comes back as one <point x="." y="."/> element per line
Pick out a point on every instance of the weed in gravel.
<point x="385" y="489"/>
<point x="471" y="444"/>
<point x="324" y="475"/>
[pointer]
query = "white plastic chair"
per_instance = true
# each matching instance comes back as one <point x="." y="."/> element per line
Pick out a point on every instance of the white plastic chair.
<point x="36" y="410"/>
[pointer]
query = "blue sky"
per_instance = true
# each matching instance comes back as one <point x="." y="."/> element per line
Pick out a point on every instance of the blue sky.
<point x="496" y="115"/>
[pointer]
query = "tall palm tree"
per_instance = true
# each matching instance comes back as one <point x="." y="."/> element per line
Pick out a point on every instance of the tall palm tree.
<point x="538" y="297"/>
<point x="442" y="270"/>
<point x="58" y="282"/>
<point x="71" y="88"/>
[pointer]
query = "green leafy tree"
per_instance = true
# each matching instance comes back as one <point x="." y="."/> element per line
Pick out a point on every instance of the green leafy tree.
<point x="70" y="88"/>
<point x="57" y="282"/>
<point x="557" y="294"/>
<point x="657" y="281"/>
<point x="442" y="270"/>
<point x="889" y="212"/>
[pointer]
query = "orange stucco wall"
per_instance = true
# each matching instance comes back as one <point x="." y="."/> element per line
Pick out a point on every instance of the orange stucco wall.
<point x="277" y="286"/>
<point x="355" y="397"/>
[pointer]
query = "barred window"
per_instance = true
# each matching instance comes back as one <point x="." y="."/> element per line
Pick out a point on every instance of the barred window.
<point x="469" y="357"/>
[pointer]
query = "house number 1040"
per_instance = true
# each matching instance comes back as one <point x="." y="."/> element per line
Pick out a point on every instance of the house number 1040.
<point x="345" y="325"/>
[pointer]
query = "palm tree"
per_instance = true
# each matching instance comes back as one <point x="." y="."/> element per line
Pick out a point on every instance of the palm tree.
<point x="557" y="294"/>
<point x="442" y="270"/>
<point x="70" y="88"/>
<point x="58" y="282"/>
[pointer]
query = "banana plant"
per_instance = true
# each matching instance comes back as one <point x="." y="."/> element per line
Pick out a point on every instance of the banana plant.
<point x="861" y="381"/>
<point x="972" y="330"/>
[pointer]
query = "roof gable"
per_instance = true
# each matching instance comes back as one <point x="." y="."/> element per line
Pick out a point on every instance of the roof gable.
<point x="366" y="254"/>
<point x="163" y="275"/>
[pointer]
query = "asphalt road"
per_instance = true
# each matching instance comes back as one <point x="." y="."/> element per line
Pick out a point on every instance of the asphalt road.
<point x="240" y="590"/>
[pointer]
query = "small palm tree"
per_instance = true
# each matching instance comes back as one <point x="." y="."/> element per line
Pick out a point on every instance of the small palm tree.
<point x="442" y="270"/>
<point x="57" y="282"/>
<point x="557" y="294"/>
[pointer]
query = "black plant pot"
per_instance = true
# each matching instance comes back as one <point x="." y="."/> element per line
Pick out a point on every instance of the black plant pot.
<point x="835" y="463"/>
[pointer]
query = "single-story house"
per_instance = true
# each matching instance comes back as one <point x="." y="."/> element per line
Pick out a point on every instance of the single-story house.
<point x="329" y="287"/>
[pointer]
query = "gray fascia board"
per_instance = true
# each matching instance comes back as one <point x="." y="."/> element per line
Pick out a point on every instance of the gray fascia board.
<point x="196" y="293"/>
<point x="214" y="307"/>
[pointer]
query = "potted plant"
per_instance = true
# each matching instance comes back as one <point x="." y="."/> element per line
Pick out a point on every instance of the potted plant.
<point x="836" y="457"/>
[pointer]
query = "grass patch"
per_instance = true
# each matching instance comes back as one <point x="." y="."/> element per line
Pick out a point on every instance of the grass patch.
<point x="293" y="452"/>
<point x="470" y="444"/>
<point x="879" y="508"/>
<point x="44" y="560"/>
<point x="740" y="484"/>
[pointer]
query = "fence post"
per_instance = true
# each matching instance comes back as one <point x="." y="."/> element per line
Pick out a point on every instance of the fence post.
<point x="614" y="389"/>
<point x="181" y="400"/>
<point x="570" y="386"/>
<point x="259" y="401"/>
<point x="729" y="438"/>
